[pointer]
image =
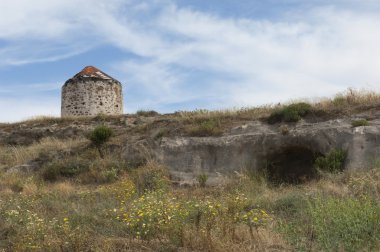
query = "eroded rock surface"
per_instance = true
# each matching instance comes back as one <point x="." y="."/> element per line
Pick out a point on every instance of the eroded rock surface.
<point x="257" y="145"/>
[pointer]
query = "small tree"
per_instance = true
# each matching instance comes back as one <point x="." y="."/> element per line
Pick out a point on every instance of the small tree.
<point x="99" y="136"/>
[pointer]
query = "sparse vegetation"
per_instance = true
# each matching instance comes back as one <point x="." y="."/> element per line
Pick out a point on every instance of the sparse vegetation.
<point x="358" y="123"/>
<point x="205" y="128"/>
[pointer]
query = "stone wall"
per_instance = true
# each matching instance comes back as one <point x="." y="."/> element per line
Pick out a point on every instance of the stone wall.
<point x="90" y="97"/>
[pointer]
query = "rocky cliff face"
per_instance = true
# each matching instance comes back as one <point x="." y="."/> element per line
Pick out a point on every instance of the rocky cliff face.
<point x="291" y="149"/>
<point x="256" y="146"/>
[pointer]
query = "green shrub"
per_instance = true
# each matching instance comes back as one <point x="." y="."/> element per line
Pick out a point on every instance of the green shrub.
<point x="147" y="113"/>
<point x="275" y="117"/>
<point x="99" y="136"/>
<point x="332" y="162"/>
<point x="206" y="128"/>
<point x="202" y="180"/>
<point x="291" y="113"/>
<point x="358" y="123"/>
<point x="346" y="224"/>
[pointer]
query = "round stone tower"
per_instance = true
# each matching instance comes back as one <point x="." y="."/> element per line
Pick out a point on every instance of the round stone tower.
<point x="91" y="92"/>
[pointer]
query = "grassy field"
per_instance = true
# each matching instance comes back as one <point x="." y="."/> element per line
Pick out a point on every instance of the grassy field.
<point x="79" y="201"/>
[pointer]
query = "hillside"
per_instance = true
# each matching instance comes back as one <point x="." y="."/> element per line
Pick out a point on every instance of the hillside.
<point x="298" y="176"/>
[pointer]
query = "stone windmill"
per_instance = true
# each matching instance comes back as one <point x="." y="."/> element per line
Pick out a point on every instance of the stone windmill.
<point x="91" y="92"/>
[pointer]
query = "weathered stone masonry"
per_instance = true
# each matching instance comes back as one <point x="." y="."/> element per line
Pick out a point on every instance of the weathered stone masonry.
<point x="91" y="92"/>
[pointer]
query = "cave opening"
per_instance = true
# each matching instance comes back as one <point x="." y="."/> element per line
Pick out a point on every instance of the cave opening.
<point x="291" y="165"/>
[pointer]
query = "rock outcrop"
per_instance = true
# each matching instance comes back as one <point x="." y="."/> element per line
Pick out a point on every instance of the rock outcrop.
<point x="290" y="149"/>
<point x="257" y="145"/>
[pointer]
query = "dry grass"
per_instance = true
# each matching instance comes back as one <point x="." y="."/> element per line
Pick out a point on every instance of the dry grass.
<point x="230" y="114"/>
<point x="62" y="121"/>
<point x="345" y="103"/>
<point x="350" y="99"/>
<point x="17" y="155"/>
<point x="63" y="187"/>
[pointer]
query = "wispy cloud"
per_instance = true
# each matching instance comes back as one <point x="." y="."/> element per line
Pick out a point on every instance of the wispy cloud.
<point x="318" y="53"/>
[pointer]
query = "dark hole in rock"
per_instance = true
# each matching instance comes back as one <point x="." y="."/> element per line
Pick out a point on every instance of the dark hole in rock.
<point x="291" y="165"/>
<point x="101" y="103"/>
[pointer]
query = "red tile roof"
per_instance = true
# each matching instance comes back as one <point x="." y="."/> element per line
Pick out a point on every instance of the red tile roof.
<point x="93" y="72"/>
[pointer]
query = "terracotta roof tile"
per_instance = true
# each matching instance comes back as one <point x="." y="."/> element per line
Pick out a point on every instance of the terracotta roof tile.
<point x="92" y="72"/>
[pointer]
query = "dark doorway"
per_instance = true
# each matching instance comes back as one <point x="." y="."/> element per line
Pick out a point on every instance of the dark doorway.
<point x="291" y="165"/>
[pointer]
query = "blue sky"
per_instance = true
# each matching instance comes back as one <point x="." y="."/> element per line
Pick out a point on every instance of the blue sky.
<point x="187" y="54"/>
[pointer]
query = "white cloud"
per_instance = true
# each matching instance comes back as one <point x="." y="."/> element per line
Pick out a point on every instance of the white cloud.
<point x="324" y="52"/>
